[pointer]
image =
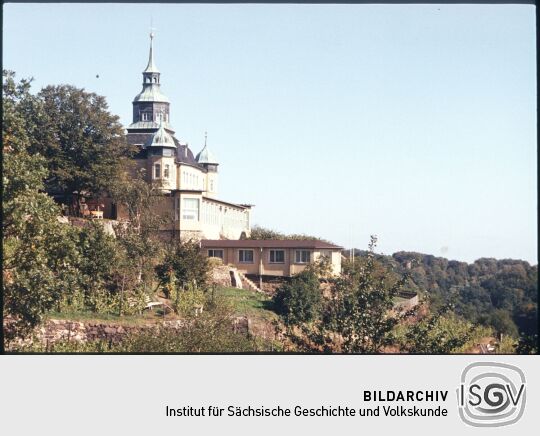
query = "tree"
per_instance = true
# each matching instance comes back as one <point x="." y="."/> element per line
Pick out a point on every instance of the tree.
<point x="83" y="143"/>
<point x="40" y="254"/>
<point x="527" y="344"/>
<point x="139" y="234"/>
<point x="502" y="322"/>
<point x="100" y="257"/>
<point x="299" y="301"/>
<point x="258" y="232"/>
<point x="358" y="316"/>
<point x="187" y="266"/>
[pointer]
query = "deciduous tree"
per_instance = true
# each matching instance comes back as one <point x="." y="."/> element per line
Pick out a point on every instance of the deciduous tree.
<point x="84" y="145"/>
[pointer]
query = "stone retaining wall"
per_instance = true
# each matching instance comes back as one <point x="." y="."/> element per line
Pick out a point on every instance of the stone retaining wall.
<point x="55" y="330"/>
<point x="221" y="276"/>
<point x="410" y="302"/>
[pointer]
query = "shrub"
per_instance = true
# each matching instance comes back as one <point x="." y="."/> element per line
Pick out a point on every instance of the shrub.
<point x="300" y="299"/>
<point x="215" y="261"/>
<point x="184" y="265"/>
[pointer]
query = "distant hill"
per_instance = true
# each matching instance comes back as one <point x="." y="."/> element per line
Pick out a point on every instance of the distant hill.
<point x="499" y="293"/>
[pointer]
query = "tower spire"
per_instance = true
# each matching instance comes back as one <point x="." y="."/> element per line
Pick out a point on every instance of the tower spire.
<point x="151" y="67"/>
<point x="150" y="106"/>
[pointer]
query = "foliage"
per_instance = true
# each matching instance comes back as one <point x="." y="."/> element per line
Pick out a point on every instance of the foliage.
<point x="438" y="333"/>
<point x="214" y="261"/>
<point x="138" y="236"/>
<point x="204" y="334"/>
<point x="186" y="301"/>
<point x="49" y="265"/>
<point x="40" y="254"/>
<point x="84" y="145"/>
<point x="99" y="258"/>
<point x="183" y="265"/>
<point x="527" y="344"/>
<point x="322" y="267"/>
<point x="357" y="317"/>
<point x="258" y="232"/>
<point x="64" y="346"/>
<point x="507" y="345"/>
<point x="502" y="294"/>
<point x="299" y="300"/>
<point x="501" y="321"/>
<point x="212" y="331"/>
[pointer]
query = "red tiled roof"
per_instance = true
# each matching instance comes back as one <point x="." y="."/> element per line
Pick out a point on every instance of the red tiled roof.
<point x="267" y="243"/>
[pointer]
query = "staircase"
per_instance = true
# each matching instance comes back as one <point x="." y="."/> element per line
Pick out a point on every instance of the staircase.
<point x="249" y="283"/>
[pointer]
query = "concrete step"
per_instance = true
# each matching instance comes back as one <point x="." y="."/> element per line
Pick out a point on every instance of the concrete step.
<point x="251" y="285"/>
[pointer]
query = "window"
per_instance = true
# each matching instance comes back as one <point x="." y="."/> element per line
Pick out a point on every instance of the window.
<point x="277" y="256"/>
<point x="167" y="152"/>
<point x="157" y="171"/>
<point x="245" y="256"/>
<point x="302" y="256"/>
<point x="211" y="186"/>
<point x="191" y="209"/>
<point x="215" y="253"/>
<point x="166" y="171"/>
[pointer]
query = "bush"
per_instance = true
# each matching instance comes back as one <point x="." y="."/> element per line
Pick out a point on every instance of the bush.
<point x="183" y="266"/>
<point x="215" y="261"/>
<point x="299" y="300"/>
<point x="441" y="332"/>
<point x="187" y="301"/>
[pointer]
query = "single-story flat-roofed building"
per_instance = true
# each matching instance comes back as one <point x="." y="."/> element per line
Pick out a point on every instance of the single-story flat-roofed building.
<point x="269" y="257"/>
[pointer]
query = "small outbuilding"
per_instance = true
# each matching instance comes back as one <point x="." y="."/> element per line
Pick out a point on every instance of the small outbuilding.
<point x="272" y="257"/>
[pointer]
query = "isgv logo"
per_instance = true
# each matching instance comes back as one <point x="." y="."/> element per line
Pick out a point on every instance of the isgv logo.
<point x="491" y="394"/>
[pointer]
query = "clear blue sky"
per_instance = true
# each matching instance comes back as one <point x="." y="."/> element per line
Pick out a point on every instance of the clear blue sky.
<point x="416" y="123"/>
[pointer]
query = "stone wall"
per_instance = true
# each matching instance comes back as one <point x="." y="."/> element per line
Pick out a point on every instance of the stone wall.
<point x="221" y="276"/>
<point x="66" y="330"/>
<point x="410" y="301"/>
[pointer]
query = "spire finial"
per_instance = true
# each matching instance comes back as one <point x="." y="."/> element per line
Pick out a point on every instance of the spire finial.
<point x="152" y="28"/>
<point x="151" y="68"/>
<point x="205" y="137"/>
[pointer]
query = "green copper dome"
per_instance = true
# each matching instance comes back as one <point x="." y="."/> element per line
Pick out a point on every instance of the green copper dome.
<point x="161" y="138"/>
<point x="205" y="156"/>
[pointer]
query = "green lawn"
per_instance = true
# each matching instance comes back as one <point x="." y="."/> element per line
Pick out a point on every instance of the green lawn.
<point x="244" y="303"/>
<point x="249" y="303"/>
<point x="105" y="318"/>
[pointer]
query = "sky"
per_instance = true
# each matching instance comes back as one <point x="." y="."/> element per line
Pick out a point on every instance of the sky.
<point x="414" y="123"/>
